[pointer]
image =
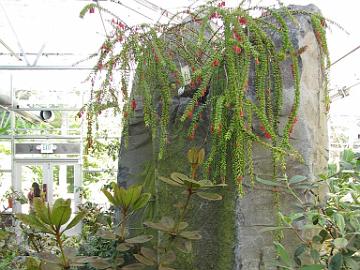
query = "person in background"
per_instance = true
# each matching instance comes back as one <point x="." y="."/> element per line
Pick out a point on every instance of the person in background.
<point x="44" y="193"/>
<point x="33" y="193"/>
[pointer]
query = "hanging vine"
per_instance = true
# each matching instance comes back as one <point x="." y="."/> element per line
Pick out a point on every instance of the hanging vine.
<point x="221" y="47"/>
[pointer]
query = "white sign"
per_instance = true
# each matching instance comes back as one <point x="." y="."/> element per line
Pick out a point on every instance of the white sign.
<point x="186" y="74"/>
<point x="46" y="148"/>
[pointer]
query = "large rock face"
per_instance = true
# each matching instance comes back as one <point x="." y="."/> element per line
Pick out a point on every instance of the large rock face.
<point x="230" y="228"/>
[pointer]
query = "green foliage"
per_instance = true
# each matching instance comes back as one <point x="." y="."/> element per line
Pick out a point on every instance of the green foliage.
<point x="333" y="216"/>
<point x="221" y="61"/>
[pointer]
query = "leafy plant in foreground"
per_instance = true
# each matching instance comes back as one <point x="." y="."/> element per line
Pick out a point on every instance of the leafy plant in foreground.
<point x="54" y="221"/>
<point x="333" y="220"/>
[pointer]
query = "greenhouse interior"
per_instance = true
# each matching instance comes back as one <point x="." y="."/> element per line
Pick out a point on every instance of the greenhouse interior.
<point x="179" y="135"/>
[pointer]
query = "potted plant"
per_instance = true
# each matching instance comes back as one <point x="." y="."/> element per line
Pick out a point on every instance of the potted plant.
<point x="11" y="195"/>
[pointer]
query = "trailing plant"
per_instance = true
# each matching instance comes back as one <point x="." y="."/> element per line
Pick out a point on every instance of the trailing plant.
<point x="211" y="56"/>
<point x="331" y="221"/>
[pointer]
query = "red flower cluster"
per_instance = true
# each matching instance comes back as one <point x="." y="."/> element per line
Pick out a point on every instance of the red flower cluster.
<point x="236" y="36"/>
<point x="214" y="15"/>
<point x="237" y="49"/>
<point x="242" y="20"/>
<point x="215" y="63"/>
<point x="266" y="134"/>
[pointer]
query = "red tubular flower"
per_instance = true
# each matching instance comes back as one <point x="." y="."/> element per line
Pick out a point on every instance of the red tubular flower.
<point x="92" y="10"/>
<point x="215" y="63"/>
<point x="293" y="124"/>
<point x="237" y="49"/>
<point x="156" y="58"/>
<point x="121" y="25"/>
<point x="242" y="21"/>
<point x="203" y="92"/>
<point x="236" y="36"/>
<point x="214" y="15"/>
<point x="267" y="135"/>
<point x="133" y="104"/>
<point x="190" y="114"/>
<point x="257" y="61"/>
<point x="241" y="113"/>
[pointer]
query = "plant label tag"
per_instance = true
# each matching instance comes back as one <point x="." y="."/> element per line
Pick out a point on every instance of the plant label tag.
<point x="185" y="71"/>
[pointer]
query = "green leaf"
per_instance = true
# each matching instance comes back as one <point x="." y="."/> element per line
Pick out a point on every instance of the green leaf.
<point x="297" y="179"/>
<point x="168" y="222"/>
<point x="268" y="182"/>
<point x="144" y="260"/>
<point x="139" y="239"/>
<point x="135" y="193"/>
<point x="179" y="177"/>
<point x="299" y="250"/>
<point x="191" y="183"/>
<point x="191" y="235"/>
<point x="149" y="253"/>
<point x="183" y="245"/>
<point x="168" y="258"/>
<point x="34" y="222"/>
<point x="123" y="247"/>
<point x="340" y="242"/>
<point x="352" y="264"/>
<point x="315" y="255"/>
<point x="157" y="226"/>
<point x="60" y="212"/>
<point x="99" y="263"/>
<point x="183" y="225"/>
<point x="142" y="201"/>
<point x="109" y="197"/>
<point x="312" y="267"/>
<point x="340" y="222"/>
<point x="106" y="234"/>
<point x="79" y="216"/>
<point x="336" y="262"/>
<point x="42" y="211"/>
<point x="281" y="251"/>
<point x="126" y="195"/>
<point x="169" y="181"/>
<point x="209" y="196"/>
<point x="134" y="266"/>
